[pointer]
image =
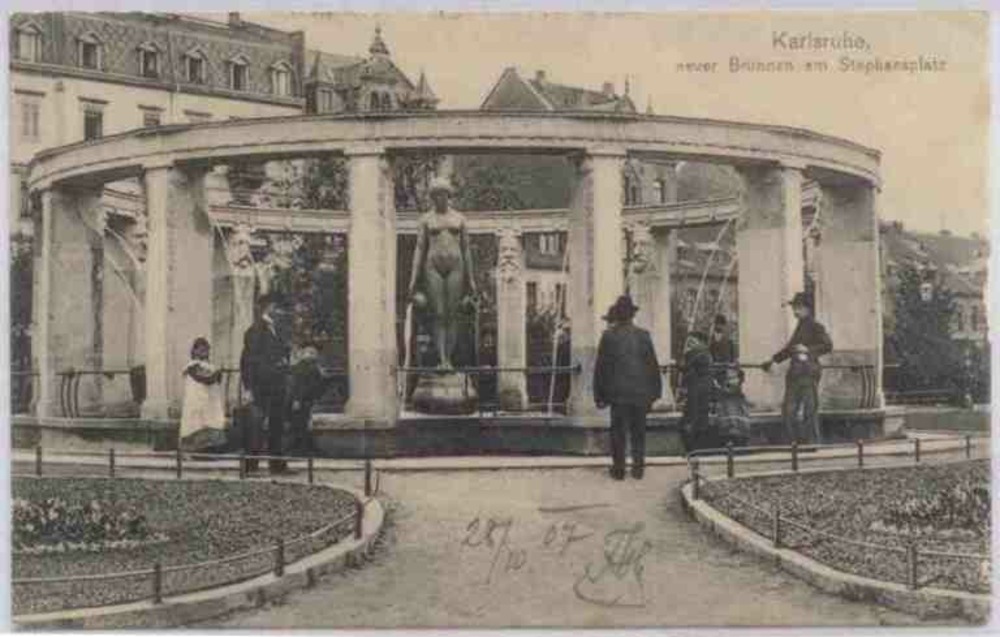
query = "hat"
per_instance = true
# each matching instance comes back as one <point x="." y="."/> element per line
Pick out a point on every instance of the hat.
<point x="441" y="183"/>
<point x="802" y="299"/>
<point x="719" y="319"/>
<point x="622" y="309"/>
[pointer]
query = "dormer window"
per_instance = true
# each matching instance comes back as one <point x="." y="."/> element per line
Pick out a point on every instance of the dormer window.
<point x="238" y="73"/>
<point x="194" y="66"/>
<point x="28" y="43"/>
<point x="149" y="60"/>
<point x="88" y="52"/>
<point x="281" y="79"/>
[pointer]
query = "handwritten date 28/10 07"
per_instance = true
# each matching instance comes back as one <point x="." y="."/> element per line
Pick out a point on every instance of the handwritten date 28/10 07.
<point x="614" y="579"/>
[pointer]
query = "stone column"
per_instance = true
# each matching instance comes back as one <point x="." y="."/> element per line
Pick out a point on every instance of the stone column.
<point x="511" y="319"/>
<point x="769" y="243"/>
<point x="595" y="267"/>
<point x="242" y="276"/>
<point x="650" y="287"/>
<point x="64" y="333"/>
<point x="371" y="281"/>
<point x="849" y="285"/>
<point x="178" y="282"/>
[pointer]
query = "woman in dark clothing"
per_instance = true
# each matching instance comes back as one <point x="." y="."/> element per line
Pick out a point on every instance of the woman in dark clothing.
<point x="697" y="375"/>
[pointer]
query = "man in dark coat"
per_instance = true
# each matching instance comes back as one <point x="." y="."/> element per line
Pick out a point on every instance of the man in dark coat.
<point x="264" y="371"/>
<point x="626" y="377"/>
<point x="809" y="341"/>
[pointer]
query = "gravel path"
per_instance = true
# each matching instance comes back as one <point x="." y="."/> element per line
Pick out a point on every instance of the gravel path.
<point x="438" y="567"/>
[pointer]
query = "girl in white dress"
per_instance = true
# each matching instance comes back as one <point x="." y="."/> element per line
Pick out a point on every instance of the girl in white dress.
<point x="202" y="394"/>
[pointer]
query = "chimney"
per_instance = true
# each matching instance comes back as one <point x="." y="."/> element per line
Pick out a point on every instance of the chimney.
<point x="234" y="19"/>
<point x="608" y="89"/>
<point x="540" y="76"/>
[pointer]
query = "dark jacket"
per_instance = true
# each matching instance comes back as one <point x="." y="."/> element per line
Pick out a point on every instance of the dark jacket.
<point x="723" y="350"/>
<point x="626" y="371"/>
<point x="813" y="335"/>
<point x="264" y="362"/>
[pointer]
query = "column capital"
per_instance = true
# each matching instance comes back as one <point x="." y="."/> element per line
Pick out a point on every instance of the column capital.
<point x="365" y="150"/>
<point x="793" y="164"/>
<point x="610" y="152"/>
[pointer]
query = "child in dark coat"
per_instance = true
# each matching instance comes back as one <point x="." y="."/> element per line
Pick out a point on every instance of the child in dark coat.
<point x="306" y="387"/>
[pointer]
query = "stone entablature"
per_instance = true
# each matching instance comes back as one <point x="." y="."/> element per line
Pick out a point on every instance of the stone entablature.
<point x="657" y="137"/>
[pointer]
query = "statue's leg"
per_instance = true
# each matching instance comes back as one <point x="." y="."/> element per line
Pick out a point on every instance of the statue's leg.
<point x="455" y="285"/>
<point x="438" y="306"/>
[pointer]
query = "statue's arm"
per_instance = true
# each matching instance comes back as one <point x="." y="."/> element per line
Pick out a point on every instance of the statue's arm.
<point x="418" y="256"/>
<point x="470" y="275"/>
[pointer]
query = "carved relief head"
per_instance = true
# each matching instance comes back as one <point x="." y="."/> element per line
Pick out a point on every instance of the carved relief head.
<point x="240" y="255"/>
<point x="509" y="254"/>
<point x="643" y="249"/>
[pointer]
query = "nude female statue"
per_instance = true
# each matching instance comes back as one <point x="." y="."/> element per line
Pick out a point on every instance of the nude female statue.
<point x="443" y="261"/>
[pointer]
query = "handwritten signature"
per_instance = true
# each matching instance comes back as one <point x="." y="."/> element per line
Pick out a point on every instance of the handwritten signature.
<point x="617" y="580"/>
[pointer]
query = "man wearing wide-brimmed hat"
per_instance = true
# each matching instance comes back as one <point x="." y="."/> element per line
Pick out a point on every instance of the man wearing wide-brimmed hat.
<point x="264" y="370"/>
<point x="809" y="341"/>
<point x="626" y="377"/>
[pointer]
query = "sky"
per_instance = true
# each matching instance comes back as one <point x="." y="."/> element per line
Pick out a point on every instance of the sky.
<point x="931" y="127"/>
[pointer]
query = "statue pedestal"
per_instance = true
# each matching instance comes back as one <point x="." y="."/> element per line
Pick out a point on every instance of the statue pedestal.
<point x="446" y="393"/>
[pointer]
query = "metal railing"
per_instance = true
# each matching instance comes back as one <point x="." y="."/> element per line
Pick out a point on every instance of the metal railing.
<point x="23" y="388"/>
<point x="159" y="580"/>
<point x="867" y="398"/>
<point x="69" y="387"/>
<point x="475" y="375"/>
<point x="771" y="522"/>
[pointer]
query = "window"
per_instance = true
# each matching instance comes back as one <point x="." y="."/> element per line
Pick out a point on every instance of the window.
<point x="548" y="243"/>
<point x="28" y="46"/>
<point x="149" y="60"/>
<point x="238" y="74"/>
<point x="281" y="79"/>
<point x="325" y="101"/>
<point x="31" y="108"/>
<point x="194" y="66"/>
<point x="959" y="319"/>
<point x="976" y="318"/>
<point x="386" y="102"/>
<point x="631" y="191"/>
<point x="661" y="190"/>
<point x="93" y="122"/>
<point x="151" y="117"/>
<point x="89" y="51"/>
<point x="374" y="102"/>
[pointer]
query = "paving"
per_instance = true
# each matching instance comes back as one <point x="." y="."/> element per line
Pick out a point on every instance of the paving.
<point x="544" y="542"/>
<point x="554" y="548"/>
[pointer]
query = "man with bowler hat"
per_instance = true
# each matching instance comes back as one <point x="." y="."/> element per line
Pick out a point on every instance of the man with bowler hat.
<point x="626" y="377"/>
<point x="809" y="341"/>
<point x="264" y="371"/>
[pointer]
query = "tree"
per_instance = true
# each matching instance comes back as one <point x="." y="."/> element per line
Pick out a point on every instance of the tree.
<point x="921" y="336"/>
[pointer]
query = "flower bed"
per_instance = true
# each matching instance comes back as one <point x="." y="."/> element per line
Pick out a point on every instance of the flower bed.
<point x="107" y="525"/>
<point x="939" y="507"/>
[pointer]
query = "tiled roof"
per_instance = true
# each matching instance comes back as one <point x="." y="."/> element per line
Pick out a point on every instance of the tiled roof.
<point x="323" y="66"/>
<point x="564" y="97"/>
<point x="121" y="34"/>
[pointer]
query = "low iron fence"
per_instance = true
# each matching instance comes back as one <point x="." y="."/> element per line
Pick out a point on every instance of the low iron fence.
<point x="867" y="378"/>
<point x="163" y="580"/>
<point x="913" y="558"/>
